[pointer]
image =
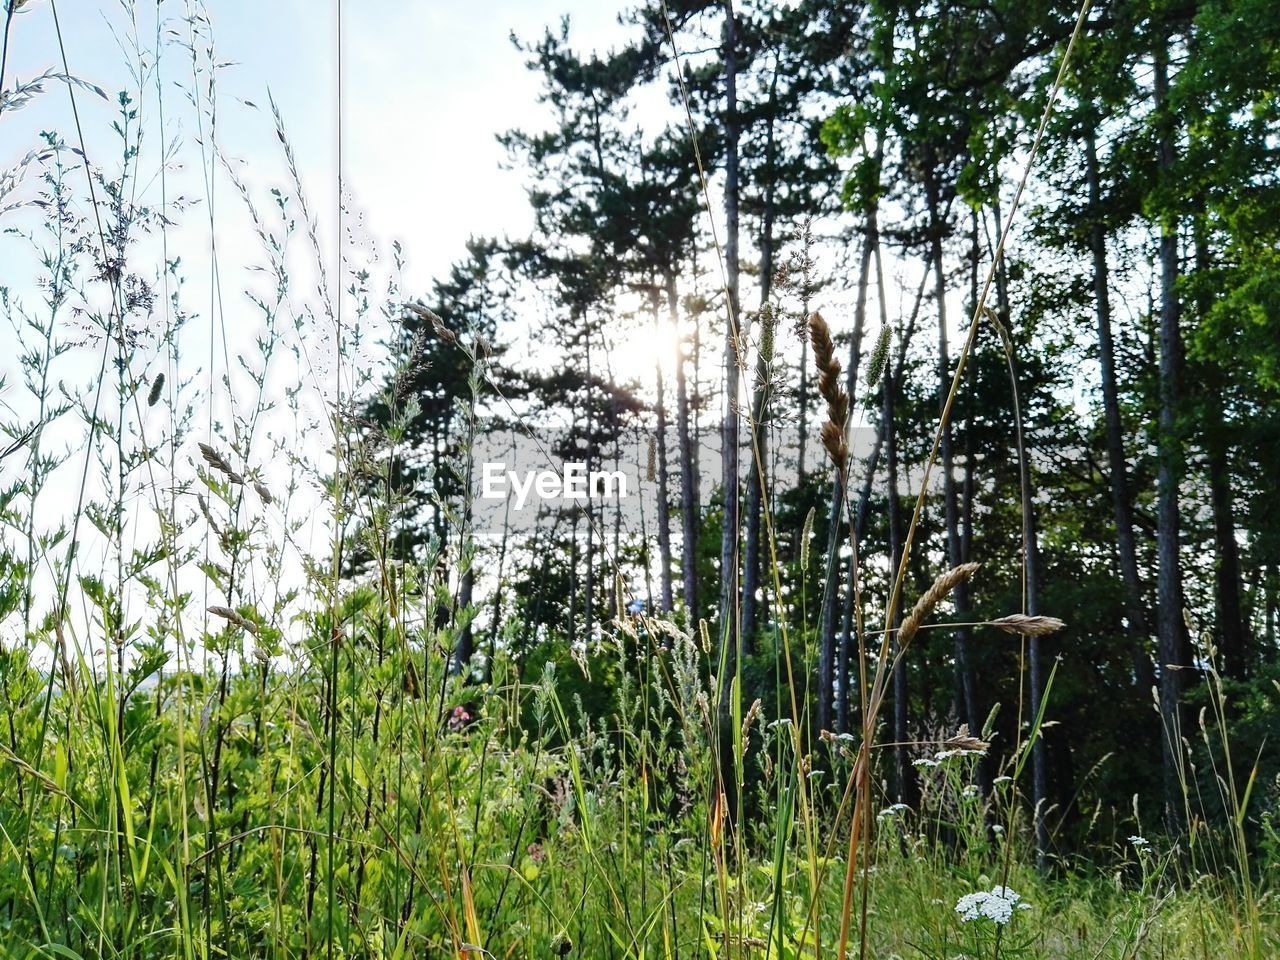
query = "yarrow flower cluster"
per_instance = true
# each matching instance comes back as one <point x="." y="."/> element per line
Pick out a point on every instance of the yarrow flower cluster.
<point x="1142" y="844"/>
<point x="996" y="905"/>
<point x="892" y="811"/>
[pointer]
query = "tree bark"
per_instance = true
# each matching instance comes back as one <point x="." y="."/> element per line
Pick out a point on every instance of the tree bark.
<point x="905" y="779"/>
<point x="690" y="512"/>
<point x="955" y="553"/>
<point x="1170" y="626"/>
<point x="845" y="654"/>
<point x="757" y="488"/>
<point x="832" y="654"/>
<point x="730" y="633"/>
<point x="1231" y="638"/>
<point x="664" y="503"/>
<point x="1121" y="502"/>
<point x="1231" y="633"/>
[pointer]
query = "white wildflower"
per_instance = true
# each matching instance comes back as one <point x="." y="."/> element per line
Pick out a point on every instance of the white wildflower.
<point x="996" y="905"/>
<point x="924" y="763"/>
<point x="948" y="754"/>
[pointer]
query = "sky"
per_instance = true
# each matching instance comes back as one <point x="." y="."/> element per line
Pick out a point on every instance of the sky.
<point x="426" y="87"/>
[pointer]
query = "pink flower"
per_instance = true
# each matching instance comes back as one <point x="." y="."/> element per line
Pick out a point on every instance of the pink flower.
<point x="459" y="718"/>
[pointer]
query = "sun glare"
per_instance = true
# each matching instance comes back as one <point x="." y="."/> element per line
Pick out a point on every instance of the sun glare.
<point x="637" y="354"/>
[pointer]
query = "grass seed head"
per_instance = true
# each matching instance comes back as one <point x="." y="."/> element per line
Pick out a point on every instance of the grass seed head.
<point x="1028" y="626"/>
<point x="829" y="387"/>
<point x="942" y="586"/>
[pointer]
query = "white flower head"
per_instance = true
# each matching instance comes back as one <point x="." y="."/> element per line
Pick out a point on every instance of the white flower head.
<point x="892" y="811"/>
<point x="996" y="905"/>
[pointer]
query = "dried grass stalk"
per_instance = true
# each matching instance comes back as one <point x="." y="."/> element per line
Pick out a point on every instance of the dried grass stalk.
<point x="218" y="462"/>
<point x="433" y="318"/>
<point x="1028" y="626"/>
<point x="965" y="741"/>
<point x="231" y="616"/>
<point x="942" y="586"/>
<point x="829" y="387"/>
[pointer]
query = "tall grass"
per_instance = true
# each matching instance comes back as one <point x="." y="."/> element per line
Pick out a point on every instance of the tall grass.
<point x="218" y="742"/>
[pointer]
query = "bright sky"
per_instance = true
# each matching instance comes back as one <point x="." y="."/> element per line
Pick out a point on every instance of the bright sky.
<point x="426" y="88"/>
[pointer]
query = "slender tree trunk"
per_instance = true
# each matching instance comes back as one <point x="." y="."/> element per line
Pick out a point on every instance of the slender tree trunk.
<point x="1031" y="605"/>
<point x="1231" y="632"/>
<point x="495" y="619"/>
<point x="833" y="656"/>
<point x="589" y="510"/>
<point x="905" y="779"/>
<point x="757" y="488"/>
<point x="1270" y="619"/>
<point x="664" y="501"/>
<point x="1227" y="577"/>
<point x="843" y="668"/>
<point x="573" y="578"/>
<point x="1170" y="626"/>
<point x="1030" y="554"/>
<point x="955" y="553"/>
<point x="690" y="512"/>
<point x="1122" y="504"/>
<point x="877" y="446"/>
<point x="729" y="608"/>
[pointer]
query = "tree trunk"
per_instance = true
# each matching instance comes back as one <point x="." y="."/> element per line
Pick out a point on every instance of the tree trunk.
<point x="729" y="626"/>
<point x="1170" y="626"/>
<point x="833" y="655"/>
<point x="1031" y="606"/>
<point x="1227" y="577"/>
<point x="589" y="511"/>
<point x="955" y="553"/>
<point x="690" y="512"/>
<point x="664" y="503"/>
<point x="851" y="385"/>
<point x="1126" y="548"/>
<point x="905" y="779"/>
<point x="1231" y="633"/>
<point x="495" y="619"/>
<point x="898" y="365"/>
<point x="757" y="488"/>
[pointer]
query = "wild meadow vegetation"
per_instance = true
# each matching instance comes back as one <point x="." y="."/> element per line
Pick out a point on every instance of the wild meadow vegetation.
<point x="946" y="339"/>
